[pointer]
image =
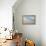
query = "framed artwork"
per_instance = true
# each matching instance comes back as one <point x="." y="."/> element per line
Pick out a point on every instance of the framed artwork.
<point x="29" y="19"/>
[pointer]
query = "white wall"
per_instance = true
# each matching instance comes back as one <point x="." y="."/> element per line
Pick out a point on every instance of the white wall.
<point x="27" y="29"/>
<point x="43" y="22"/>
<point x="29" y="7"/>
<point x="6" y="13"/>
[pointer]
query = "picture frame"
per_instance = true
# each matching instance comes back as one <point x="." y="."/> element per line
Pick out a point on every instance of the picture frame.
<point x="29" y="19"/>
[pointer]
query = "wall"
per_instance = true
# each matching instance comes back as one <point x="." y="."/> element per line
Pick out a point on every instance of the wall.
<point x="23" y="28"/>
<point x="28" y="7"/>
<point x="6" y="13"/>
<point x="43" y="22"/>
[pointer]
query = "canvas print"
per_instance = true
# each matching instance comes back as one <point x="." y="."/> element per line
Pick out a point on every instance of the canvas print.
<point x="29" y="19"/>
